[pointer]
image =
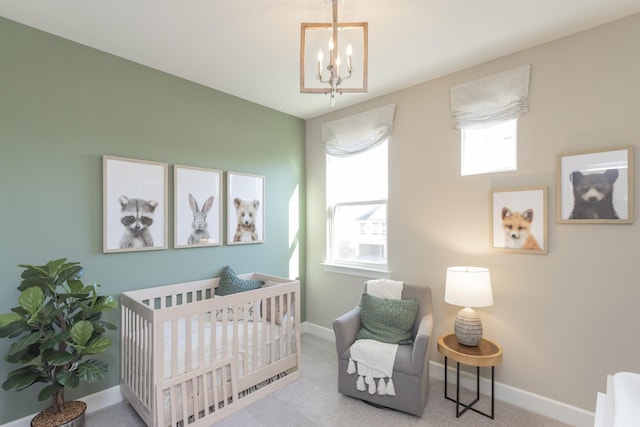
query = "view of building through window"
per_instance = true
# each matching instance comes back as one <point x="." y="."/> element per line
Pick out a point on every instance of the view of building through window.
<point x="357" y="208"/>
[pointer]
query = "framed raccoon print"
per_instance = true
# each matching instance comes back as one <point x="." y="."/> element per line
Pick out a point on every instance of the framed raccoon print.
<point x="134" y="205"/>
<point x="245" y="208"/>
<point x="596" y="187"/>
<point x="519" y="220"/>
<point x="197" y="207"/>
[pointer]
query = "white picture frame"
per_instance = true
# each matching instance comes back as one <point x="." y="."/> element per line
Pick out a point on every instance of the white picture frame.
<point x="134" y="204"/>
<point x="245" y="208"/>
<point x="197" y="207"/>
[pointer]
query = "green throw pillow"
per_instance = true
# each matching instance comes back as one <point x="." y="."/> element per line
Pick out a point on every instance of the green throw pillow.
<point x="230" y="283"/>
<point x="387" y="320"/>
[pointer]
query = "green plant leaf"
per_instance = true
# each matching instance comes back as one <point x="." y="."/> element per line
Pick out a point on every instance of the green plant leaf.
<point x="108" y="325"/>
<point x="49" y="391"/>
<point x="21" y="379"/>
<point x="93" y="370"/>
<point x="106" y="303"/>
<point x="7" y="319"/>
<point x="68" y="378"/>
<point x="58" y="358"/>
<point x="31" y="300"/>
<point x="97" y="346"/>
<point x="81" y="332"/>
<point x="54" y="265"/>
<point x="20" y="346"/>
<point x="70" y="270"/>
<point x="75" y="286"/>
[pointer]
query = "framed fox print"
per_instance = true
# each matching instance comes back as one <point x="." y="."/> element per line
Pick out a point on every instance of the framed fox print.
<point x="197" y="207"/>
<point x="596" y="187"/>
<point x="519" y="220"/>
<point x="134" y="204"/>
<point x="245" y="208"/>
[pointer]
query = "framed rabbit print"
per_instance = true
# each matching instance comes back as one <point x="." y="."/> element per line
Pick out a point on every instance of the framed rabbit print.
<point x="134" y="205"/>
<point x="197" y="207"/>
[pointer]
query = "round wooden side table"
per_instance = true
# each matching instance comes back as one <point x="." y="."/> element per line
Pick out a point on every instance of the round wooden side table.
<point x="485" y="354"/>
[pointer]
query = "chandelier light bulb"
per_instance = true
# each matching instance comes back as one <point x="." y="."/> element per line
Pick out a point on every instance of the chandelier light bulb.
<point x="320" y="58"/>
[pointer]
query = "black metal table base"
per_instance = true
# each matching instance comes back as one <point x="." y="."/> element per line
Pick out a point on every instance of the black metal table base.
<point x="468" y="406"/>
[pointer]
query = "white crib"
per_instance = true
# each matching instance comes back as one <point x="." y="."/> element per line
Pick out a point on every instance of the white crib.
<point x="189" y="358"/>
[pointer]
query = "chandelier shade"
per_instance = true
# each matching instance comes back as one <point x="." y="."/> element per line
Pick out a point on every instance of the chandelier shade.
<point x="333" y="57"/>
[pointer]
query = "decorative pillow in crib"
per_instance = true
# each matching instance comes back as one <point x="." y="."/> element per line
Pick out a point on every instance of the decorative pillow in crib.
<point x="230" y="283"/>
<point x="387" y="320"/>
<point x="266" y="310"/>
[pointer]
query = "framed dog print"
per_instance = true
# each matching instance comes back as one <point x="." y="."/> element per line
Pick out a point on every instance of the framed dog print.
<point x="245" y="208"/>
<point x="197" y="207"/>
<point x="596" y="187"/>
<point x="519" y="220"/>
<point x="134" y="205"/>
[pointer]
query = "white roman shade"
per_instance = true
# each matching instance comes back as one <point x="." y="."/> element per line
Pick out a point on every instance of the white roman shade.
<point x="491" y="100"/>
<point x="358" y="133"/>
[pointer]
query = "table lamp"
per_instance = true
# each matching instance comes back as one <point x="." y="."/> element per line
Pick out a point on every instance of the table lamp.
<point x="468" y="287"/>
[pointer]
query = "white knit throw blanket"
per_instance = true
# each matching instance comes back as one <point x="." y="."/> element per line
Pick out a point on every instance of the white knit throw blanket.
<point x="374" y="359"/>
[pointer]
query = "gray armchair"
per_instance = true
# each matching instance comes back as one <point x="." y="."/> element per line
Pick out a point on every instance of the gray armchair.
<point x="411" y="365"/>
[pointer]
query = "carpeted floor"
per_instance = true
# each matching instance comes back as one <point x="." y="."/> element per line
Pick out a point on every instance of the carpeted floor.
<point x="315" y="401"/>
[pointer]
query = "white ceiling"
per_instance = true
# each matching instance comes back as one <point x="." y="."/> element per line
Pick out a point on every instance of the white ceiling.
<point x="250" y="48"/>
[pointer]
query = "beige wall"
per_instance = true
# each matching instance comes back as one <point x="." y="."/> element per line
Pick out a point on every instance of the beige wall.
<point x="565" y="319"/>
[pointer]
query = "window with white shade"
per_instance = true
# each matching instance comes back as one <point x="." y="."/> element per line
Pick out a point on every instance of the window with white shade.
<point x="356" y="189"/>
<point x="486" y="111"/>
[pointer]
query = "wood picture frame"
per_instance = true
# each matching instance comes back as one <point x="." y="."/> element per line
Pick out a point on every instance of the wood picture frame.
<point x="596" y="187"/>
<point x="245" y="208"/>
<point x="197" y="207"/>
<point x="134" y="204"/>
<point x="519" y="220"/>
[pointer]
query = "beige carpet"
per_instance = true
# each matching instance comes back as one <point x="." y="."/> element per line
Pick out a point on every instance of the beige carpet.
<point x="315" y="401"/>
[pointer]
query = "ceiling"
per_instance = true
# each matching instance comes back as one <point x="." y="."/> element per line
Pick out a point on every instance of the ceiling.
<point x="250" y="48"/>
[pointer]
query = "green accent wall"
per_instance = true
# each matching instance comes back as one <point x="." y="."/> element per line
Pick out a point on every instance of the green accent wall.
<point x="62" y="107"/>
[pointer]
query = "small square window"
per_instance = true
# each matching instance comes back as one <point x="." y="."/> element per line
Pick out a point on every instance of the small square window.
<point x="492" y="149"/>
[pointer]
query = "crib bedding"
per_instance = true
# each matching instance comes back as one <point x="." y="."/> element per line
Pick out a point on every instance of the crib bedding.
<point x="175" y="349"/>
<point x="189" y="358"/>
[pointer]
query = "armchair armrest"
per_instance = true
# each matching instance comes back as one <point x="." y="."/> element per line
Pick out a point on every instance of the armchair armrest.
<point x="421" y="343"/>
<point x="345" y="328"/>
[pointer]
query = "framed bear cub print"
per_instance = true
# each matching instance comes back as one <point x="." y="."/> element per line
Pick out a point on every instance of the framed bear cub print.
<point x="596" y="187"/>
<point x="245" y="208"/>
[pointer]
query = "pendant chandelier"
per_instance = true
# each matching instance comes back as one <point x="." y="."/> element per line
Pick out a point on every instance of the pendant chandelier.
<point x="346" y="69"/>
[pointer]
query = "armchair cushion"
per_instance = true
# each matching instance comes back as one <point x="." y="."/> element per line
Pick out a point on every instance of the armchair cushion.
<point x="387" y="320"/>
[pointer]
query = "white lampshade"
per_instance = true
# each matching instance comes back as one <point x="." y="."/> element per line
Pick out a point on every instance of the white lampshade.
<point x="468" y="287"/>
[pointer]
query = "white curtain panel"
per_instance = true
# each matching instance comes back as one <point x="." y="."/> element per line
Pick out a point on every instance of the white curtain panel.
<point x="358" y="133"/>
<point x="491" y="100"/>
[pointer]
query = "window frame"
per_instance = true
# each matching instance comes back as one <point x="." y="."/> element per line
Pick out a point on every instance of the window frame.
<point x="335" y="264"/>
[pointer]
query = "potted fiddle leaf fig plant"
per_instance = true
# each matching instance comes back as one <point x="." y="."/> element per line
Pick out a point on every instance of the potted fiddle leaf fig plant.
<point x="57" y="327"/>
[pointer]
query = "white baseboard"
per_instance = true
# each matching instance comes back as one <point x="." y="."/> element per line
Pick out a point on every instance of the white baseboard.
<point x="318" y="331"/>
<point x="95" y="402"/>
<point x="533" y="402"/>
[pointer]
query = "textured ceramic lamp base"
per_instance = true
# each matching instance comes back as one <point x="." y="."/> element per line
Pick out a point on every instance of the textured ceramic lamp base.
<point x="468" y="327"/>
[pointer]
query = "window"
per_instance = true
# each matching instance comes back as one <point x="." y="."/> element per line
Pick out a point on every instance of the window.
<point x="491" y="149"/>
<point x="357" y="208"/>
